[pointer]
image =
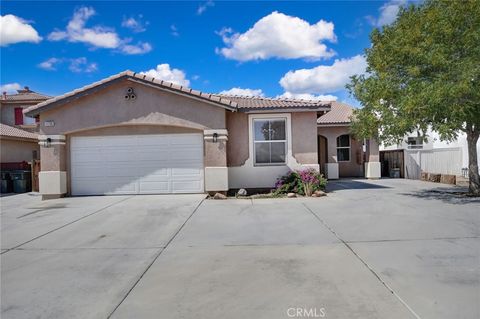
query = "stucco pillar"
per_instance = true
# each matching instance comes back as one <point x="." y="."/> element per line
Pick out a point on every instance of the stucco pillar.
<point x="53" y="175"/>
<point x="216" y="171"/>
<point x="372" y="165"/>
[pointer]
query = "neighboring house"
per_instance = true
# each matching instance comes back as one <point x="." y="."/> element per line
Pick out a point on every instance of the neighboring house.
<point x="18" y="136"/>
<point x="414" y="142"/>
<point x="132" y="134"/>
<point x="17" y="145"/>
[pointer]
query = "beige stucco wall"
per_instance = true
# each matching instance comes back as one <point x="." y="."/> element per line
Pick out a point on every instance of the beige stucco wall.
<point x="17" y="151"/>
<point x="152" y="106"/>
<point x="237" y="147"/>
<point x="7" y="114"/>
<point x="304" y="139"/>
<point x="354" y="167"/>
<point x="53" y="158"/>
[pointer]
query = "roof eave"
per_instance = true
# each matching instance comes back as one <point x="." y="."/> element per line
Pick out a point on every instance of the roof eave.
<point x="282" y="109"/>
<point x="131" y="76"/>
<point x="334" y="124"/>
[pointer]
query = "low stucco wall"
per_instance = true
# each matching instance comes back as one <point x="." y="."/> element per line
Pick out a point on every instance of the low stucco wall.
<point x="14" y="151"/>
<point x="352" y="168"/>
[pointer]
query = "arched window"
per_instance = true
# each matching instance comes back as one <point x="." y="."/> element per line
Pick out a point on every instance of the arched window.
<point x="343" y="148"/>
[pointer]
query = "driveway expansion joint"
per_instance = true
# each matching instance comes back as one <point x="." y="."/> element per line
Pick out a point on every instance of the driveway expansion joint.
<point x="65" y="225"/>
<point x="155" y="259"/>
<point x="390" y="289"/>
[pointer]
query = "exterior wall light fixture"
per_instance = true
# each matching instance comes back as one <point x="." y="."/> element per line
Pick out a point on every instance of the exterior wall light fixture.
<point x="215" y="137"/>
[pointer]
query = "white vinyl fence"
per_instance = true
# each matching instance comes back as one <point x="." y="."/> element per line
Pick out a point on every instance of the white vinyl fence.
<point x="436" y="161"/>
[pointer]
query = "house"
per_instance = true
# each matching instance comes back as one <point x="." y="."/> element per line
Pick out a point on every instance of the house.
<point x="133" y="134"/>
<point x="414" y="142"/>
<point x="18" y="138"/>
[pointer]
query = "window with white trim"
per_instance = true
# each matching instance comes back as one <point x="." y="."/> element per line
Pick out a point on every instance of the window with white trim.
<point x="270" y="141"/>
<point x="343" y="148"/>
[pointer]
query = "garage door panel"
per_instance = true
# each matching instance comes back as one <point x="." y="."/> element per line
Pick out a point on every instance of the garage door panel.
<point x="186" y="139"/>
<point x="153" y="173"/>
<point x="86" y="171"/>
<point x="186" y="172"/>
<point x="147" y="187"/>
<point x="137" y="164"/>
<point x="186" y="186"/>
<point x="184" y="154"/>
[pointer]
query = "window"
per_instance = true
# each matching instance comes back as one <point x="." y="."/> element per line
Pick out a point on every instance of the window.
<point x="343" y="148"/>
<point x="269" y="141"/>
<point x="27" y="120"/>
<point x="414" y="143"/>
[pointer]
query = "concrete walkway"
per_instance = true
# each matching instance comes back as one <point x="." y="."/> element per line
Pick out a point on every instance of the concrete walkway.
<point x="382" y="249"/>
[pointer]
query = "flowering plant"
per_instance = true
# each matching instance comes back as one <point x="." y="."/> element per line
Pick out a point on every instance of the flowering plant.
<point x="302" y="182"/>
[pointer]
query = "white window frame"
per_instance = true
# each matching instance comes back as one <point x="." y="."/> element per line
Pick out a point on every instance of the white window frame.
<point x="269" y="141"/>
<point x="344" y="147"/>
<point x="27" y="120"/>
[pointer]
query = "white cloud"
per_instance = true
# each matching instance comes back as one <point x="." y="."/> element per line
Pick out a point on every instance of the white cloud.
<point x="174" y="31"/>
<point x="279" y="35"/>
<point x="388" y="13"/>
<point x="203" y="7"/>
<point x="135" y="24"/>
<point x="81" y="65"/>
<point x="10" y="88"/>
<point x="96" y="36"/>
<point x="14" y="29"/>
<point x="164" y="72"/>
<point x="243" y="92"/>
<point x="50" y="64"/>
<point x="324" y="78"/>
<point x="139" y="48"/>
<point x="307" y="96"/>
<point x="77" y="65"/>
<point x="76" y="31"/>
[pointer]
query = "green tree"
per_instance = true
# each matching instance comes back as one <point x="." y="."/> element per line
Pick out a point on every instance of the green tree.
<point x="424" y="72"/>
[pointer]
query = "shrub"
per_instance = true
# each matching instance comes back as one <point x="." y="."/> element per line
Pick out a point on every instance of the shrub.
<point x="303" y="182"/>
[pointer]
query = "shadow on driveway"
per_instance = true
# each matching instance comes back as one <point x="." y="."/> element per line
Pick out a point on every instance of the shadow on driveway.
<point x="342" y="184"/>
<point x="454" y="195"/>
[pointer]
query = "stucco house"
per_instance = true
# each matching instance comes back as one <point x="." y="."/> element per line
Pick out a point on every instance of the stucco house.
<point x="133" y="134"/>
<point x="18" y="138"/>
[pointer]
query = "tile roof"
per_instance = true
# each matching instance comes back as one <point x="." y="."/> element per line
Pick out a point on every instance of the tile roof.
<point x="249" y="103"/>
<point x="234" y="103"/>
<point x="10" y="131"/>
<point x="64" y="98"/>
<point x="340" y="114"/>
<point x="25" y="95"/>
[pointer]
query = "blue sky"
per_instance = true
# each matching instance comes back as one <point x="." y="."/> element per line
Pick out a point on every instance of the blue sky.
<point x="289" y="49"/>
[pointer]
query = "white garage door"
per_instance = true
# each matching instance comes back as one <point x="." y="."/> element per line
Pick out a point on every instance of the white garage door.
<point x="137" y="164"/>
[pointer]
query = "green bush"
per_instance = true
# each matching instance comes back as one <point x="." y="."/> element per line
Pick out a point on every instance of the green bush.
<point x="303" y="182"/>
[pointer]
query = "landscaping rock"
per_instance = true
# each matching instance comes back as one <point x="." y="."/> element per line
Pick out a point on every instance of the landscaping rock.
<point x="291" y="195"/>
<point x="219" y="196"/>
<point x="314" y="195"/>
<point x="434" y="178"/>
<point x="319" y="193"/>
<point x="242" y="192"/>
<point x="448" y="179"/>
<point x="424" y="176"/>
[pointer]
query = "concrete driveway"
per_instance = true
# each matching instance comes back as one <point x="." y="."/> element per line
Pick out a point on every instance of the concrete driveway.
<point x="371" y="249"/>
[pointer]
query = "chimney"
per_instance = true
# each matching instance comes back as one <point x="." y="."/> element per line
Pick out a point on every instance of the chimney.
<point x="4" y="95"/>
<point x="26" y="89"/>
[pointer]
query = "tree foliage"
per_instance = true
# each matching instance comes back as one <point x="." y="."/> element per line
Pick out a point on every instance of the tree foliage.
<point x="423" y="72"/>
